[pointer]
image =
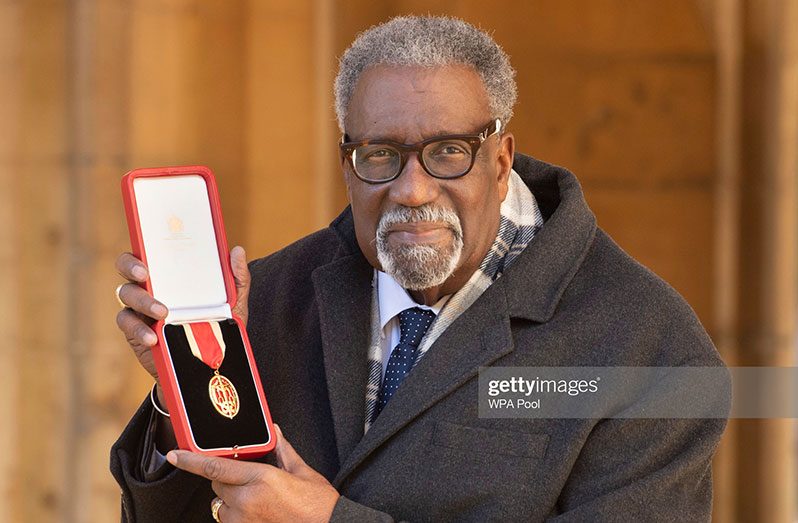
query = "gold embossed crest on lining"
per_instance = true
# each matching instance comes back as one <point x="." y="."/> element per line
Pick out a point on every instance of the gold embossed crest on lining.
<point x="175" y="224"/>
<point x="223" y="396"/>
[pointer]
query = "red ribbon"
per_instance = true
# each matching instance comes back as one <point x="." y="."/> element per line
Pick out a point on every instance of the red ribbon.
<point x="207" y="344"/>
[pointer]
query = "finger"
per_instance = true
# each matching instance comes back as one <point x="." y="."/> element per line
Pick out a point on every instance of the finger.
<point x="140" y="301"/>
<point x="224" y="491"/>
<point x="233" y="495"/>
<point x="138" y="334"/>
<point x="222" y="470"/>
<point x="226" y="513"/>
<point x="231" y="513"/>
<point x="131" y="268"/>
<point x="238" y="263"/>
<point x="287" y="458"/>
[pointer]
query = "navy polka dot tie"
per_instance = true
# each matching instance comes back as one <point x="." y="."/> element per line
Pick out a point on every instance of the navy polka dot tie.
<point x="413" y="324"/>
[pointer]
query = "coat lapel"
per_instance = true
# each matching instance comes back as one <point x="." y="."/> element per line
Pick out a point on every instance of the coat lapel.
<point x="343" y="291"/>
<point x="475" y="339"/>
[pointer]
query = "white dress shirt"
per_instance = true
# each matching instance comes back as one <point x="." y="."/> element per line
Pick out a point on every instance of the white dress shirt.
<point x="393" y="299"/>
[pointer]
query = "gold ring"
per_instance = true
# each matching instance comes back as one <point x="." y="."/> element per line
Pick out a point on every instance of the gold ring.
<point x="216" y="504"/>
<point x="116" y="293"/>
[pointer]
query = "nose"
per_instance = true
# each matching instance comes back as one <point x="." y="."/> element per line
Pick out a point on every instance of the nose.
<point x="414" y="187"/>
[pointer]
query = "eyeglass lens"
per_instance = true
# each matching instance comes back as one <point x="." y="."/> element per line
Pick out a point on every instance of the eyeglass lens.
<point x="445" y="158"/>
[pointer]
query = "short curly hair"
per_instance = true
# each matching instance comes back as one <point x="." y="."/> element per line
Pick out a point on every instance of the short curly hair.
<point x="428" y="41"/>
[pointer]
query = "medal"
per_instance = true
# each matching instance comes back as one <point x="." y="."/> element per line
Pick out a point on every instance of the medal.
<point x="223" y="395"/>
<point x="207" y="345"/>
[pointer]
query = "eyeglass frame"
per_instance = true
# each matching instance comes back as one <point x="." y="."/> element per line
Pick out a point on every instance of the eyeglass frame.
<point x="475" y="141"/>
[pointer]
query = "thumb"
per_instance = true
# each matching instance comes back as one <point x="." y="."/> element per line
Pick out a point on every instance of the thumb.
<point x="287" y="457"/>
<point x="238" y="262"/>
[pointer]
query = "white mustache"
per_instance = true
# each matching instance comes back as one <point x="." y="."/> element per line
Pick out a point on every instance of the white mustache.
<point x="425" y="213"/>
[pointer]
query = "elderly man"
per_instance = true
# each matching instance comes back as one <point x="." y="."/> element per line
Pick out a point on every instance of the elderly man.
<point x="455" y="254"/>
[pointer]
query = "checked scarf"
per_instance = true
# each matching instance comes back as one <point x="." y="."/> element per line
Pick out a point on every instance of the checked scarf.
<point x="519" y="222"/>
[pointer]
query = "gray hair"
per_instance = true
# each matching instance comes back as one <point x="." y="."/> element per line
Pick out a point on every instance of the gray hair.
<point x="428" y="41"/>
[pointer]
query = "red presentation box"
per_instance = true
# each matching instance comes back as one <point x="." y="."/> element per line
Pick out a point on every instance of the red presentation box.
<point x="175" y="222"/>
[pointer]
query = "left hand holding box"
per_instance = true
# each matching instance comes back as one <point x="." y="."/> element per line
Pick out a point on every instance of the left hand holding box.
<point x="261" y="492"/>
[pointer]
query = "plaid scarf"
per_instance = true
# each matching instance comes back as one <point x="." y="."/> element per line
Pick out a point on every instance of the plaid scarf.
<point x="519" y="222"/>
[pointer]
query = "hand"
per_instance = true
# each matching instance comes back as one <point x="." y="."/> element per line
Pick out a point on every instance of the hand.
<point x="143" y="310"/>
<point x="260" y="492"/>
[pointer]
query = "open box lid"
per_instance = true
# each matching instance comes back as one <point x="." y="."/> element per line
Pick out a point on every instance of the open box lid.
<point x="180" y="236"/>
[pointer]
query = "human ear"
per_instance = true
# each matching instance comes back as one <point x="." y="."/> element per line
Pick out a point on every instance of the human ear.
<point x="504" y="163"/>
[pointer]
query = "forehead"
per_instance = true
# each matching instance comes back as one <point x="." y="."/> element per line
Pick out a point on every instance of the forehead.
<point x="410" y="103"/>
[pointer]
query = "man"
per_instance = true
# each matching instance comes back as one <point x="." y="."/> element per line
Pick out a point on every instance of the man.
<point x="455" y="254"/>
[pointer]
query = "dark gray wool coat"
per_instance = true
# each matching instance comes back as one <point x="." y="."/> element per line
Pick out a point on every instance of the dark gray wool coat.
<point x="573" y="298"/>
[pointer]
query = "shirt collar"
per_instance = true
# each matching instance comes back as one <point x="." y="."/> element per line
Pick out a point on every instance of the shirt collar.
<point x="393" y="299"/>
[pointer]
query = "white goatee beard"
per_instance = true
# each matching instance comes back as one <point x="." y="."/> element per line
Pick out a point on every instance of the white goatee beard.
<point x="417" y="267"/>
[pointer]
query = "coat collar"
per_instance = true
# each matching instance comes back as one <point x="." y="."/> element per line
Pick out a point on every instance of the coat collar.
<point x="551" y="260"/>
<point x="478" y="337"/>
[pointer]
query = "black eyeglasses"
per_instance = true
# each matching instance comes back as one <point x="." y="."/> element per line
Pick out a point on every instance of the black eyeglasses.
<point x="446" y="157"/>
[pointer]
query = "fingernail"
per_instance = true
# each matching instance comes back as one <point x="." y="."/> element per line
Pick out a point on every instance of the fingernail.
<point x="139" y="272"/>
<point x="278" y="430"/>
<point x="158" y="309"/>
<point x="171" y="457"/>
<point x="150" y="338"/>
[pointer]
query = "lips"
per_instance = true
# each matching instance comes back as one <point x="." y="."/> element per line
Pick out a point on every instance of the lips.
<point x="419" y="232"/>
<point x="426" y="225"/>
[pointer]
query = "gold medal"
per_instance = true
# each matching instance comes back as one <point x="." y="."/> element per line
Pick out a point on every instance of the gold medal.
<point x="223" y="395"/>
<point x="207" y="345"/>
